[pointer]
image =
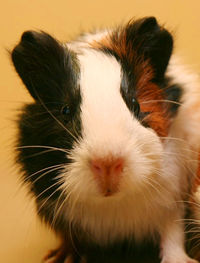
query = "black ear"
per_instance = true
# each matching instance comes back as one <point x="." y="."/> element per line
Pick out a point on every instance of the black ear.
<point x="152" y="42"/>
<point x="44" y="66"/>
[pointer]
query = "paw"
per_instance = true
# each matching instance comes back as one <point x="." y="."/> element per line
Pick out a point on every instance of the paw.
<point x="70" y="259"/>
<point x="57" y="256"/>
<point x="56" y="260"/>
<point x="60" y="255"/>
<point x="178" y="259"/>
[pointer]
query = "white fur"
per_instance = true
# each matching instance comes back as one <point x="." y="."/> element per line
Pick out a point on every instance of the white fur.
<point x="188" y="124"/>
<point x="156" y="174"/>
<point x="85" y="40"/>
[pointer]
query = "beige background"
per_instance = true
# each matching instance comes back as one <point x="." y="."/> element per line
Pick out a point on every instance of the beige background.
<point x="22" y="238"/>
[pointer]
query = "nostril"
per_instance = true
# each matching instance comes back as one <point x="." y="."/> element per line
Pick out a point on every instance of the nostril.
<point x="103" y="166"/>
<point x="118" y="166"/>
<point x="97" y="166"/>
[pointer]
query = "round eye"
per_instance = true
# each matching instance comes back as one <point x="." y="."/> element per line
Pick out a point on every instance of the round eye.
<point x="135" y="107"/>
<point x="67" y="112"/>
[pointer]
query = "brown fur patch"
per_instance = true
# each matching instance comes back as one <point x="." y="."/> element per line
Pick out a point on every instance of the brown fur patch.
<point x="151" y="99"/>
<point x="149" y="95"/>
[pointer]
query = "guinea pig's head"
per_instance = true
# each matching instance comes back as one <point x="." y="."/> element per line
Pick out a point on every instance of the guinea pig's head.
<point x="95" y="130"/>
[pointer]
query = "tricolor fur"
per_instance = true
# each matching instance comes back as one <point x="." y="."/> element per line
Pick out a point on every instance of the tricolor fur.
<point x="110" y="96"/>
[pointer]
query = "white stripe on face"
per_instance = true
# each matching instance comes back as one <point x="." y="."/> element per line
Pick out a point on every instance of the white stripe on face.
<point x="104" y="116"/>
<point x="110" y="130"/>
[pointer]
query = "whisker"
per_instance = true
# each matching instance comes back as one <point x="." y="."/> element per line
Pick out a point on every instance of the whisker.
<point x="41" y="113"/>
<point x="151" y="184"/>
<point x="72" y="240"/>
<point x="75" y="129"/>
<point x="189" y="202"/>
<point x="191" y="239"/>
<point x="39" y="153"/>
<point x="54" y="117"/>
<point x="195" y="230"/>
<point x="189" y="221"/>
<point x="56" y="183"/>
<point x="197" y="244"/>
<point x="44" y="169"/>
<point x="42" y="146"/>
<point x="58" y="208"/>
<point x="172" y="138"/>
<point x="168" y="101"/>
<point x="75" y="200"/>
<point x="49" y="171"/>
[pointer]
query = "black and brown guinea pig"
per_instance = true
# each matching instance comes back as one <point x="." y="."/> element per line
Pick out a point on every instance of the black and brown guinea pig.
<point x="109" y="148"/>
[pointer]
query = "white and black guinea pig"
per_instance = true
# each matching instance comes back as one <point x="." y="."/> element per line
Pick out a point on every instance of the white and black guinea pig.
<point x="109" y="148"/>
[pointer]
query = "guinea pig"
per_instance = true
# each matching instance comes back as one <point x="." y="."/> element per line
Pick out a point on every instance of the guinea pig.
<point x="109" y="148"/>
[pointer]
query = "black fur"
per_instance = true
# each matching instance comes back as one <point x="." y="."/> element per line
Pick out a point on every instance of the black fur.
<point x="50" y="72"/>
<point x="146" y="41"/>
<point x="127" y="252"/>
<point x="152" y="42"/>
<point x="46" y="67"/>
<point x="38" y="128"/>
<point x="173" y="94"/>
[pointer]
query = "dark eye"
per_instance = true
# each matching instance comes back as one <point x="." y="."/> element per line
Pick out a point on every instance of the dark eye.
<point x="67" y="112"/>
<point x="135" y="107"/>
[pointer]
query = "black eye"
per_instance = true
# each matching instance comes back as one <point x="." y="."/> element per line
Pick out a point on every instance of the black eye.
<point x="67" y="112"/>
<point x="135" y="107"/>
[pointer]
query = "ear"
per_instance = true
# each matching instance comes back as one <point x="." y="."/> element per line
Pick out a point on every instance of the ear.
<point x="44" y="66"/>
<point x="152" y="42"/>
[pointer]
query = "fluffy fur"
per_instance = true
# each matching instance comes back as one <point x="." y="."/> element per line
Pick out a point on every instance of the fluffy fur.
<point x="109" y="96"/>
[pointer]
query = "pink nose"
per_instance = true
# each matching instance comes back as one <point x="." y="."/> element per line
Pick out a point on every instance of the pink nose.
<point x="108" y="173"/>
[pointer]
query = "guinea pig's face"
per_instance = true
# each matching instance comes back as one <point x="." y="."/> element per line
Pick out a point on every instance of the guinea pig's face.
<point x="95" y="129"/>
<point x="116" y="152"/>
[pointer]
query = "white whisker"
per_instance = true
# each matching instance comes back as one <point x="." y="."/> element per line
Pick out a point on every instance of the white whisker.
<point x="54" y="117"/>
<point x="56" y="183"/>
<point x="58" y="208"/>
<point x="49" y="171"/>
<point x="168" y="101"/>
<point x="39" y="153"/>
<point x="44" y="169"/>
<point x="42" y="146"/>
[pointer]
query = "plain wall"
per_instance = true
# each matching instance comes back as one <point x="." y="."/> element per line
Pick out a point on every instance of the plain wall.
<point x="22" y="237"/>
